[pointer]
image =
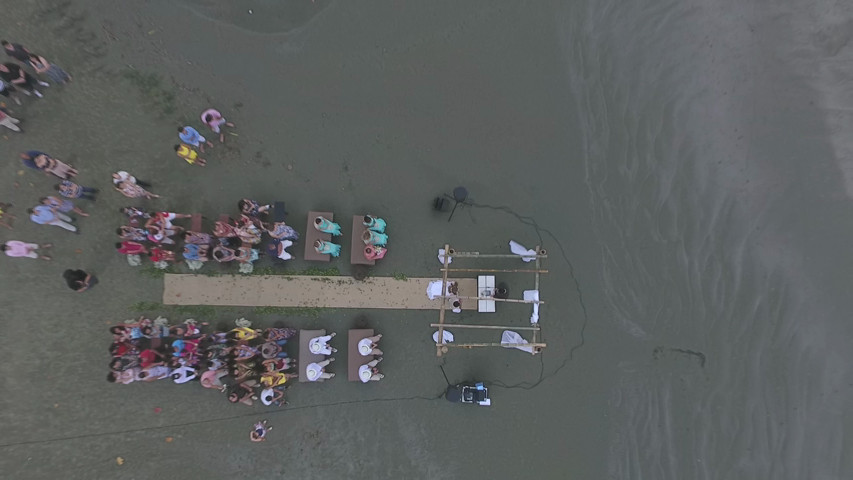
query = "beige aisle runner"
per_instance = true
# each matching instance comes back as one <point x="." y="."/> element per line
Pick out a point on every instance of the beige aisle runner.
<point x="308" y="291"/>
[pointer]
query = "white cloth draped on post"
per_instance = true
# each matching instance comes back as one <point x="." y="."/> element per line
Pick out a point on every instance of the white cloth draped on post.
<point x="508" y="337"/>
<point x="527" y="254"/>
<point x="441" y="255"/>
<point x="446" y="336"/>
<point x="530" y="296"/>
<point x="434" y="289"/>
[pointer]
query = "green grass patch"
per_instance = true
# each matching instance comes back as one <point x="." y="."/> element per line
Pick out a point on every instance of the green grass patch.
<point x="312" y="272"/>
<point x="400" y="276"/>
<point x="196" y="310"/>
<point x="313" y="312"/>
<point x="154" y="272"/>
<point x="150" y="86"/>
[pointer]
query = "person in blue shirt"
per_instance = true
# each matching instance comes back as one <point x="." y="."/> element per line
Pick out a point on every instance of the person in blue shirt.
<point x="191" y="137"/>
<point x="47" y="215"/>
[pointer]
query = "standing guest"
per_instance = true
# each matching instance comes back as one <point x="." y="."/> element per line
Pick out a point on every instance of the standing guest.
<point x="213" y="119"/>
<point x="46" y="215"/>
<point x="5" y="215"/>
<point x="9" y="121"/>
<point x="14" y="248"/>
<point x="64" y="206"/>
<point x="190" y="136"/>
<point x="259" y="432"/>
<point x="43" y="67"/>
<point x="122" y="176"/>
<point x="190" y="155"/>
<point x="16" y="51"/>
<point x="47" y="164"/>
<point x="251" y="208"/>
<point x="7" y="90"/>
<point x="132" y="190"/>
<point x="69" y="189"/>
<point x="14" y="74"/>
<point x="78" y="280"/>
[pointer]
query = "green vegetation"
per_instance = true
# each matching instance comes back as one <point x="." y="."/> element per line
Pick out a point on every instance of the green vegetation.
<point x="312" y="271"/>
<point x="400" y="276"/>
<point x="210" y="311"/>
<point x="146" y="306"/>
<point x="154" y="272"/>
<point x="291" y="311"/>
<point x="151" y="87"/>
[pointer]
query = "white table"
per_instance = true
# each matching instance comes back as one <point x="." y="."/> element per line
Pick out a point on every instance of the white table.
<point x="485" y="288"/>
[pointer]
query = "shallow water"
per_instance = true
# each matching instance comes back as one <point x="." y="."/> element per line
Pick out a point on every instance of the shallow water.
<point x="710" y="134"/>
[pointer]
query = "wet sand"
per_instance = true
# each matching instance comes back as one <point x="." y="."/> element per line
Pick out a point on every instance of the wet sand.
<point x="348" y="108"/>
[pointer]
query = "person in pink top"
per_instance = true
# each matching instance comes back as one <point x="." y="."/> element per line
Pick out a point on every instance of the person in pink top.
<point x="14" y="248"/>
<point x="213" y="119"/>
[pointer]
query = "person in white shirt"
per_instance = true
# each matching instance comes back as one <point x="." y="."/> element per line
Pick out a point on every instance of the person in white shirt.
<point x="272" y="396"/>
<point x="316" y="372"/>
<point x="367" y="346"/>
<point x="369" y="373"/>
<point x="155" y="372"/>
<point x="320" y="345"/>
<point x="183" y="374"/>
<point x="122" y="176"/>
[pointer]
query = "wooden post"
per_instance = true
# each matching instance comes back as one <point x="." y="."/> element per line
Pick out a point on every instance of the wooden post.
<point x="507" y="345"/>
<point x="536" y="284"/>
<point x="493" y="327"/>
<point x="491" y="270"/>
<point x="494" y="255"/>
<point x="440" y="346"/>
<point x="508" y="300"/>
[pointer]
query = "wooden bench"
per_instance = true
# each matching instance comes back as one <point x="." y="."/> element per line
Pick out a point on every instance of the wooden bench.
<point x="312" y="234"/>
<point x="357" y="253"/>
<point x="195" y="222"/>
<point x="305" y="355"/>
<point x="354" y="358"/>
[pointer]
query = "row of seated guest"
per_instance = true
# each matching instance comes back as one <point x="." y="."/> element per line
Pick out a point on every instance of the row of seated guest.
<point x="244" y="363"/>
<point x="148" y="233"/>
<point x="232" y="240"/>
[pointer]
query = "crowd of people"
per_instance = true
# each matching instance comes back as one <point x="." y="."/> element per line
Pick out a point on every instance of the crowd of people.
<point x="14" y="77"/>
<point x="245" y="364"/>
<point x="155" y="235"/>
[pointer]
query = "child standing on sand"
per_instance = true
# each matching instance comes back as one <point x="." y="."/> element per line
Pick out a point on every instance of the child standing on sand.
<point x="191" y="156"/>
<point x="259" y="432"/>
